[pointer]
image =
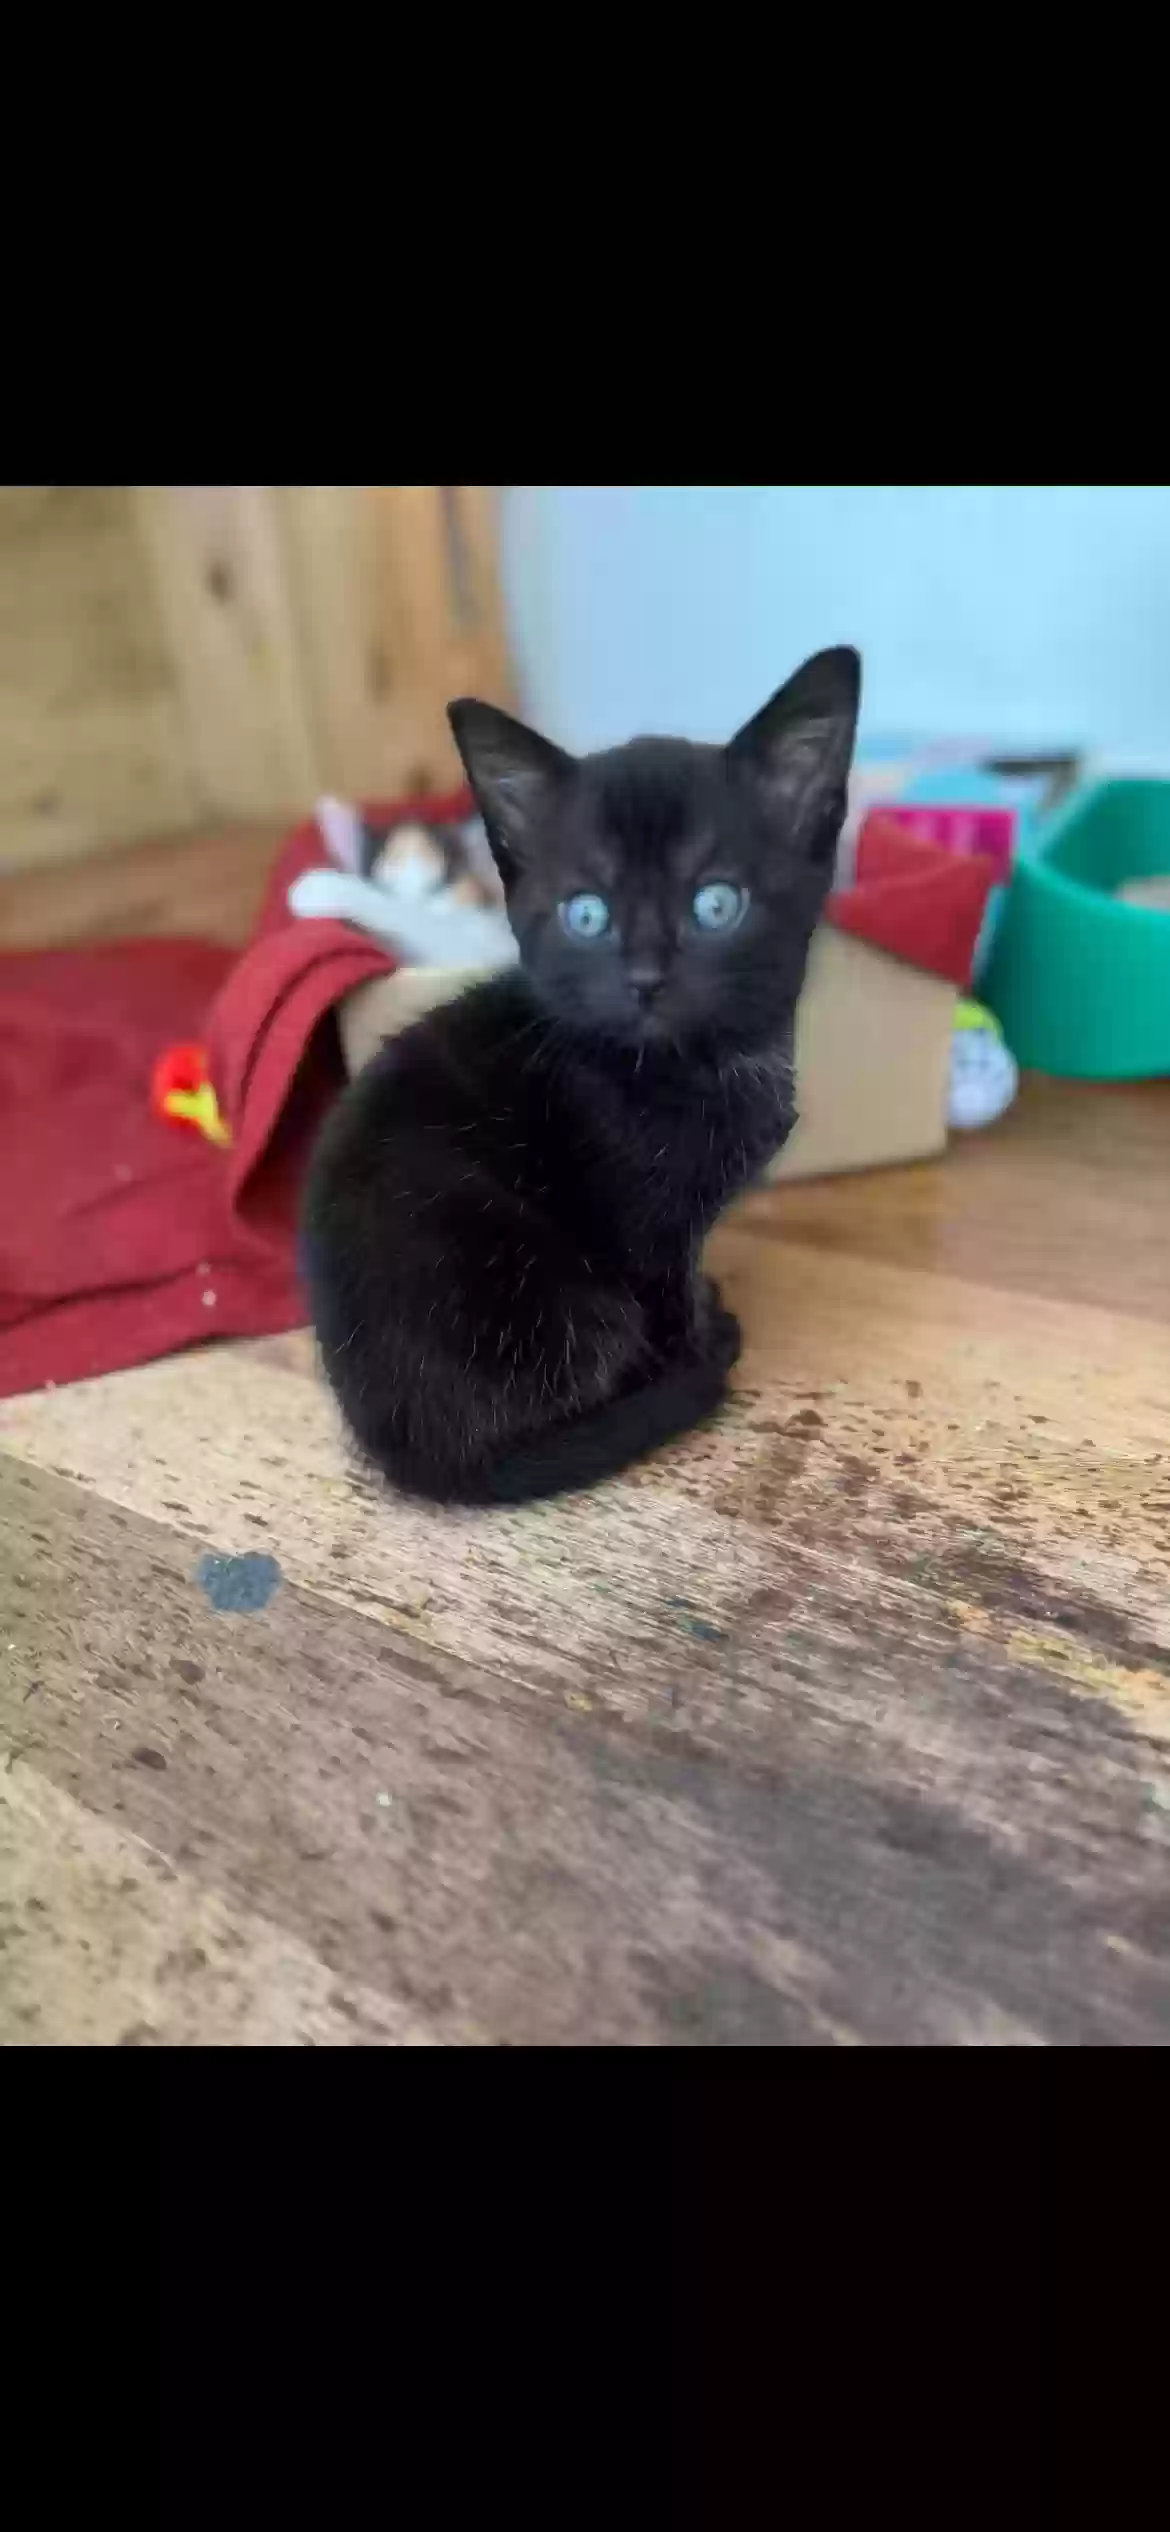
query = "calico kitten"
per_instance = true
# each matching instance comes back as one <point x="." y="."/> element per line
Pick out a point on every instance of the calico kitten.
<point x="505" y="1209"/>
<point x="431" y="893"/>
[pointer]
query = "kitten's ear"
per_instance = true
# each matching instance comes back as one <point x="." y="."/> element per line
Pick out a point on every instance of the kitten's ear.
<point x="798" y="750"/>
<point x="515" y="775"/>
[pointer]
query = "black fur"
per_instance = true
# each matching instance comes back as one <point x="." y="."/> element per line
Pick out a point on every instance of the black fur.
<point x="506" y="1208"/>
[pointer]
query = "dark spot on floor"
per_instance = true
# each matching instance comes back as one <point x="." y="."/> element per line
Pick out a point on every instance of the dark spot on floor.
<point x="700" y="1629"/>
<point x="913" y="1828"/>
<point x="146" y="1757"/>
<point x="181" y="1963"/>
<point x="999" y="1582"/>
<point x="239" y="1583"/>
<point x="192" y="1672"/>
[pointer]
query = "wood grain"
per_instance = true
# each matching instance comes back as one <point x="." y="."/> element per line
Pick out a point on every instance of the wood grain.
<point x="225" y="593"/>
<point x="988" y="1867"/>
<point x="395" y="622"/>
<point x="91" y="745"/>
<point x="103" y="1942"/>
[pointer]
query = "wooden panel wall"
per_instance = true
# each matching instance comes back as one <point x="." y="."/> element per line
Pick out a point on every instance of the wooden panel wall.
<point x="172" y="654"/>
<point x="92" y="750"/>
<point x="398" y="598"/>
<point x="317" y="631"/>
<point x="222" y="580"/>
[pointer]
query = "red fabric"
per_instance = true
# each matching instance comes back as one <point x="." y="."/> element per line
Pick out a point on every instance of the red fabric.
<point x="114" y="1225"/>
<point x="956" y="830"/>
<point x="915" y="900"/>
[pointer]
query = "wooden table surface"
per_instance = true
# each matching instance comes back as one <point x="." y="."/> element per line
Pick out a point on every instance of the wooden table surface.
<point x="846" y="1721"/>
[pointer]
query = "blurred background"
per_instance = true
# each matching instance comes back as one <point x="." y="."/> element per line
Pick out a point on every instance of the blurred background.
<point x="1036" y="613"/>
<point x="172" y="656"/>
<point x="185" y="667"/>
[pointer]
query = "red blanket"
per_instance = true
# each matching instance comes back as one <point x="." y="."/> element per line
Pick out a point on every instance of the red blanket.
<point x="123" y="1237"/>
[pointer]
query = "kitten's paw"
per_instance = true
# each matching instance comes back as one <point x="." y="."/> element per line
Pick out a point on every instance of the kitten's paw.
<point x="339" y="896"/>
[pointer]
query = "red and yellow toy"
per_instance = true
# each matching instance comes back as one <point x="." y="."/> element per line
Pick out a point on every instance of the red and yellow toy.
<point x="181" y="1091"/>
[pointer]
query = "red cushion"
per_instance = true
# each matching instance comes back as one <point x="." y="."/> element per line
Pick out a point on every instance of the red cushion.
<point x="914" y="900"/>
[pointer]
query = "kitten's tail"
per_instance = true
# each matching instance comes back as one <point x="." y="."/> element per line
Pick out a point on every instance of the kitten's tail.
<point x="606" y="1438"/>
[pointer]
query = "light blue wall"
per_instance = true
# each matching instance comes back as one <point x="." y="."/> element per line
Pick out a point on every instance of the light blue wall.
<point x="1028" y="613"/>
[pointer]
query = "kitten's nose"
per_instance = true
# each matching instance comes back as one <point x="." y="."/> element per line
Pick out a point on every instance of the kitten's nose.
<point x="647" y="979"/>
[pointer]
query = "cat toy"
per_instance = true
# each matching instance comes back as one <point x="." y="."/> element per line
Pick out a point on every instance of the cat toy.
<point x="181" y="1092"/>
<point x="983" y="1077"/>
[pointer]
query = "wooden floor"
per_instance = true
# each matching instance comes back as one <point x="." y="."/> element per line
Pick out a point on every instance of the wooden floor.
<point x="206" y="885"/>
<point x="846" y="1722"/>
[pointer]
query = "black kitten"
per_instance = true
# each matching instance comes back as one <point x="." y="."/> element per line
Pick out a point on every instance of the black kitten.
<point x="505" y="1209"/>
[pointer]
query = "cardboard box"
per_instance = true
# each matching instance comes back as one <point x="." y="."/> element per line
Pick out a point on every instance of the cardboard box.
<point x="873" y="1052"/>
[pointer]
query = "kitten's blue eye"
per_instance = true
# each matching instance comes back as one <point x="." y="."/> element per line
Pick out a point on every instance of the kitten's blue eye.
<point x="585" y="916"/>
<point x="719" y="905"/>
